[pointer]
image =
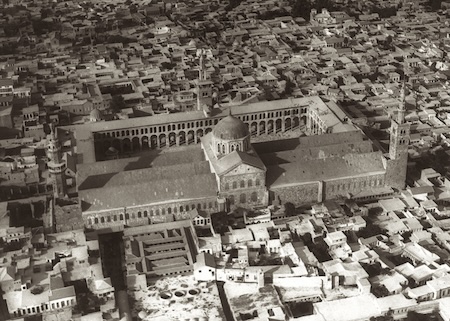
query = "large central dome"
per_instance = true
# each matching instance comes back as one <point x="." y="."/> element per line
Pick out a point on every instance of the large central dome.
<point x="230" y="128"/>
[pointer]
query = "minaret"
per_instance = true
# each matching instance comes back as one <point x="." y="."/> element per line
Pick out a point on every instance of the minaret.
<point x="56" y="165"/>
<point x="402" y="108"/>
<point x="204" y="87"/>
<point x="398" y="147"/>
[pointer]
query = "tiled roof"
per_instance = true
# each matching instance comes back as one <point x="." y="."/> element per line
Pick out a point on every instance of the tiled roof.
<point x="303" y="171"/>
<point x="144" y="175"/>
<point x="182" y="188"/>
<point x="152" y="159"/>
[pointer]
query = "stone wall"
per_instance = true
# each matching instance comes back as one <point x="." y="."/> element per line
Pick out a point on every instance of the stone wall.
<point x="396" y="172"/>
<point x="244" y="190"/>
<point x="146" y="214"/>
<point x="298" y="194"/>
<point x="353" y="185"/>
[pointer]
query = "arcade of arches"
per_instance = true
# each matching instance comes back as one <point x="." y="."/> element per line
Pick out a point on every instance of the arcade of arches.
<point x="141" y="138"/>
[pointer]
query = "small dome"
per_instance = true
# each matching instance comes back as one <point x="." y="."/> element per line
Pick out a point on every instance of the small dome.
<point x="95" y="115"/>
<point x="230" y="128"/>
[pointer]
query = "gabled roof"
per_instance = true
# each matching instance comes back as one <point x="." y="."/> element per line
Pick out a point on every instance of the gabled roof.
<point x="236" y="158"/>
<point x="103" y="284"/>
<point x="7" y="274"/>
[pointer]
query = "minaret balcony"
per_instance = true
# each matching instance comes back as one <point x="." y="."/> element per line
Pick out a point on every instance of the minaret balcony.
<point x="56" y="167"/>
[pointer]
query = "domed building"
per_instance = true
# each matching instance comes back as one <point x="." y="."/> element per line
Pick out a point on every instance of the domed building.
<point x="95" y="115"/>
<point x="240" y="173"/>
<point x="230" y="134"/>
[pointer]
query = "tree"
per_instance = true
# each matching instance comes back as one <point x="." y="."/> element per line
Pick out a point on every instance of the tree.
<point x="289" y="209"/>
<point x="117" y="103"/>
<point x="380" y="290"/>
<point x="301" y="8"/>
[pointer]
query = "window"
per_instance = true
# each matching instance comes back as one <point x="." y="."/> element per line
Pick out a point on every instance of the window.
<point x="249" y="183"/>
<point x="242" y="198"/>
<point x="234" y="185"/>
<point x="258" y="182"/>
<point x="227" y="186"/>
<point x="242" y="184"/>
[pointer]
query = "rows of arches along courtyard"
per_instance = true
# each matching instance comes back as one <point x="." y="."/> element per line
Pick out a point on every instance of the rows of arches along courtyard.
<point x="190" y="132"/>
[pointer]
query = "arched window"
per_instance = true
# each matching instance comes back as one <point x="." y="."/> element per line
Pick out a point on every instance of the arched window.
<point x="242" y="184"/>
<point x="199" y="206"/>
<point x="218" y="148"/>
<point x="249" y="183"/>
<point x="139" y="214"/>
<point x="254" y="197"/>
<point x="121" y="217"/>
<point x="257" y="183"/>
<point x="234" y="185"/>
<point x="181" y="209"/>
<point x="237" y="147"/>
<point x="145" y="213"/>
<point x="169" y="211"/>
<point x="102" y="219"/>
<point x="232" y="147"/>
<point x="223" y="149"/>
<point x="108" y="218"/>
<point x="127" y="216"/>
<point x="227" y="186"/>
<point x="242" y="198"/>
<point x="163" y="211"/>
<point x="90" y="220"/>
<point x="157" y="211"/>
<point x="192" y="206"/>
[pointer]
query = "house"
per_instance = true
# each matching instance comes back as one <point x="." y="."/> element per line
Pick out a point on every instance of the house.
<point x="200" y="218"/>
<point x="205" y="267"/>
<point x="335" y="240"/>
<point x="102" y="288"/>
<point x="393" y="282"/>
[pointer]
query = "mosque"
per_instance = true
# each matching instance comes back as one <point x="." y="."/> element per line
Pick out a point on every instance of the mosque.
<point x="226" y="170"/>
<point x="210" y="160"/>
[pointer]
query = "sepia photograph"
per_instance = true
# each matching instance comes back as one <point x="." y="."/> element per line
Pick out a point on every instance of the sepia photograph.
<point x="224" y="160"/>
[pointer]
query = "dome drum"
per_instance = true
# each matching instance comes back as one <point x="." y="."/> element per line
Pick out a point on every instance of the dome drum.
<point x="230" y="134"/>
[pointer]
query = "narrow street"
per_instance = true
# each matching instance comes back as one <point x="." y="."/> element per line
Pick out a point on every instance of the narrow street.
<point x="112" y="254"/>
<point x="223" y="299"/>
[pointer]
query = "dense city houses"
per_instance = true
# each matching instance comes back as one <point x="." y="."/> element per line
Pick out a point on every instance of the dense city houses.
<point x="225" y="160"/>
